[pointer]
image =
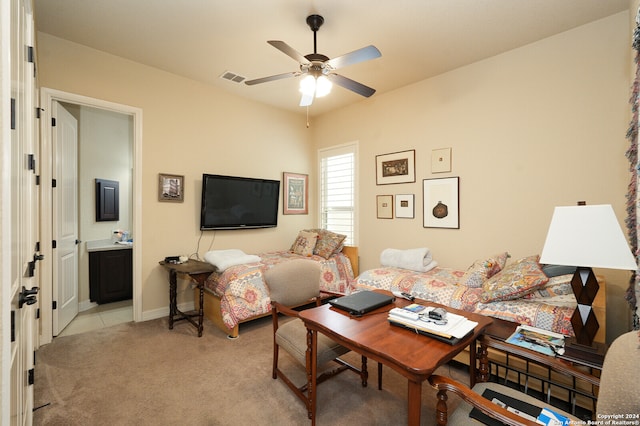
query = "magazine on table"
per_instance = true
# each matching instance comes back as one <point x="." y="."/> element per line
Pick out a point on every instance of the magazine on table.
<point x="543" y="416"/>
<point x="537" y="339"/>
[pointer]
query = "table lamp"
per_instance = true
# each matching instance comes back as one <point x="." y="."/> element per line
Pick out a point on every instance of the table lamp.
<point x="586" y="237"/>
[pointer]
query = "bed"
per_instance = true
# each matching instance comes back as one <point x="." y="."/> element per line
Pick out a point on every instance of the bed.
<point x="240" y="293"/>
<point x="518" y="291"/>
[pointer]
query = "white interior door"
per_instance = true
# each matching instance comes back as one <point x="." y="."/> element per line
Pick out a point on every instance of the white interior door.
<point x="65" y="217"/>
<point x="19" y="210"/>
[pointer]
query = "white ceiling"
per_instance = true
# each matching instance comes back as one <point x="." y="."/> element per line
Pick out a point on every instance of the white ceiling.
<point x="201" y="39"/>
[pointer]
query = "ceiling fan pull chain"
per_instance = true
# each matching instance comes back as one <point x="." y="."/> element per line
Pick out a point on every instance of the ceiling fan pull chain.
<point x="307" y="116"/>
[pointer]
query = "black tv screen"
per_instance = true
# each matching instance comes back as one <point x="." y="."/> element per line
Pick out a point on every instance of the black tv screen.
<point x="231" y="202"/>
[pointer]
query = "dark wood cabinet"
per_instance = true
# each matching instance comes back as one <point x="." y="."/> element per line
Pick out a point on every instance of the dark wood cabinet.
<point x="110" y="275"/>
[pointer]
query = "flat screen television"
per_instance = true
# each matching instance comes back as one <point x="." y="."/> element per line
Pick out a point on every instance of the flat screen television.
<point x="231" y="202"/>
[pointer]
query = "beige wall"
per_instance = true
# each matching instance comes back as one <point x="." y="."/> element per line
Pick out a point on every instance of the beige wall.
<point x="536" y="127"/>
<point x="189" y="128"/>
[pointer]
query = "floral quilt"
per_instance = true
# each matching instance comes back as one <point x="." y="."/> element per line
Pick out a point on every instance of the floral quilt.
<point x="549" y="307"/>
<point x="244" y="294"/>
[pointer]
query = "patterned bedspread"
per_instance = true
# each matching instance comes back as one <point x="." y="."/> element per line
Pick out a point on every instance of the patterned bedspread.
<point x="244" y="294"/>
<point x="549" y="307"/>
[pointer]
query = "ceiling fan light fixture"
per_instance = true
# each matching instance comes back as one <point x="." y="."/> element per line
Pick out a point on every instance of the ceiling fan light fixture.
<point x="308" y="85"/>
<point x="316" y="69"/>
<point x="311" y="86"/>
<point x="323" y="86"/>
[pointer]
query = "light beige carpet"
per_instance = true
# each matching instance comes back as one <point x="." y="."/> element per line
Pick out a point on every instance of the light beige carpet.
<point x="145" y="374"/>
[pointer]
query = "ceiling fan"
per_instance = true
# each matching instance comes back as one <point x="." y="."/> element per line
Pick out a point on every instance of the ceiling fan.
<point x="318" y="69"/>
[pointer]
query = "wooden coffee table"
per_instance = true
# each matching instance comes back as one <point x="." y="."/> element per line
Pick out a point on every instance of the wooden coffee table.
<point x="412" y="355"/>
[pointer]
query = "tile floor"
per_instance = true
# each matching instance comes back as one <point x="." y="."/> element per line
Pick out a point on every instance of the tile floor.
<point x="99" y="317"/>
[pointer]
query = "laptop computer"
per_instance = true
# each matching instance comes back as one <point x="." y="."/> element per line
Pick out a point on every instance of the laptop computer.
<point x="361" y="302"/>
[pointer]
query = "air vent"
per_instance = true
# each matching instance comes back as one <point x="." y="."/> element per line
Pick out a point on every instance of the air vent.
<point x="228" y="75"/>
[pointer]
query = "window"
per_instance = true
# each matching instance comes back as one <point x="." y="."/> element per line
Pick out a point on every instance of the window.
<point x="337" y="190"/>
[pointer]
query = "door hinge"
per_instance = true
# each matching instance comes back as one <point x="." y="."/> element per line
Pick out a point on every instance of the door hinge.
<point x="30" y="54"/>
<point x="32" y="264"/>
<point x="38" y="313"/>
<point x="54" y="244"/>
<point x="37" y="180"/>
<point x="13" y="113"/>
<point x="54" y="183"/>
<point x="54" y="305"/>
<point x="31" y="376"/>
<point x="13" y="326"/>
<point x="53" y="121"/>
<point x="38" y="112"/>
<point x="31" y="162"/>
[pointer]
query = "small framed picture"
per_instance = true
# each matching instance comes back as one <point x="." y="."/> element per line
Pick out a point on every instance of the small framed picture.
<point x="441" y="160"/>
<point x="405" y="206"/>
<point x="397" y="167"/>
<point x="441" y="203"/>
<point x="296" y="193"/>
<point x="171" y="188"/>
<point x="384" y="208"/>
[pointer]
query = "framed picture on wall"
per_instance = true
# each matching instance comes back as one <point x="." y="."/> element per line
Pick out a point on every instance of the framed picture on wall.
<point x="171" y="188"/>
<point x="441" y="203"/>
<point x="397" y="167"/>
<point x="405" y="206"/>
<point x="441" y="160"/>
<point x="296" y="193"/>
<point x="384" y="206"/>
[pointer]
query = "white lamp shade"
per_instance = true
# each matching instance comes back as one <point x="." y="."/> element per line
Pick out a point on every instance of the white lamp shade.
<point x="323" y="86"/>
<point x="308" y="85"/>
<point x="587" y="236"/>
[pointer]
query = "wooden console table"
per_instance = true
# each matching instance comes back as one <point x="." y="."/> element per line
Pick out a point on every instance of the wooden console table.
<point x="198" y="272"/>
<point x="495" y="337"/>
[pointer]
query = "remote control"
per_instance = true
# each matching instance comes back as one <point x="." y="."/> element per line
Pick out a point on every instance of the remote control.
<point x="403" y="313"/>
<point x="403" y="295"/>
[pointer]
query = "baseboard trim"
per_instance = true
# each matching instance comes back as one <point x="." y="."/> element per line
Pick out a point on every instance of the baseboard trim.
<point x="164" y="312"/>
<point x="85" y="305"/>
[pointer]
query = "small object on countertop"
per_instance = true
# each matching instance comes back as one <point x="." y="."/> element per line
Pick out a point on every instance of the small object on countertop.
<point x="438" y="314"/>
<point x="403" y="295"/>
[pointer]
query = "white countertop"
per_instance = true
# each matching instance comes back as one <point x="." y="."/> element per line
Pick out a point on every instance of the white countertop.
<point x="104" y="245"/>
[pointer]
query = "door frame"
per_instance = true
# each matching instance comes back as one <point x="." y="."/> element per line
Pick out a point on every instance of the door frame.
<point x="47" y="97"/>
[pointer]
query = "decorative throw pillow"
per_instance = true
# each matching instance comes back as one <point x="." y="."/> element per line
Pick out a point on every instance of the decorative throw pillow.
<point x="304" y="243"/>
<point x="328" y="242"/>
<point x="557" y="270"/>
<point x="483" y="269"/>
<point x="514" y="281"/>
<point x="556" y="286"/>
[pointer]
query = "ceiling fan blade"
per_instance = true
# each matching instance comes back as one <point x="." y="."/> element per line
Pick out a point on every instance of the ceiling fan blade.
<point x="360" y="55"/>
<point x="289" y="51"/>
<point x="306" y="100"/>
<point x="271" y="78"/>
<point x="352" y="85"/>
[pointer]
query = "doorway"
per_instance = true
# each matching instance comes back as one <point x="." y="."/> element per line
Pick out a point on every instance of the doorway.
<point x="93" y="108"/>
